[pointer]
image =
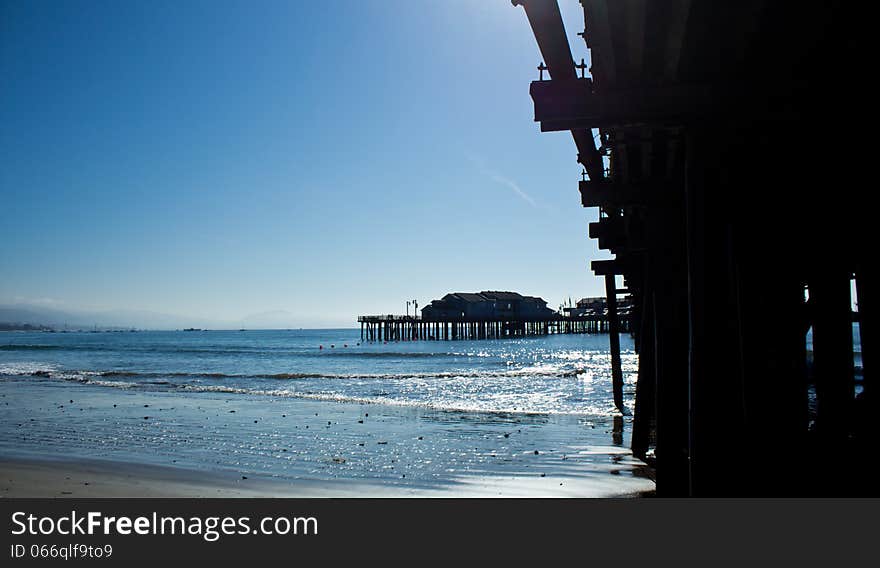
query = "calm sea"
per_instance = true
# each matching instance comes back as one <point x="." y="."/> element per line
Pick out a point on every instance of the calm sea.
<point x="557" y="374"/>
<point x="321" y="405"/>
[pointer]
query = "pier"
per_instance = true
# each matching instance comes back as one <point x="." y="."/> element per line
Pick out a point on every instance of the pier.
<point x="413" y="328"/>
<point x="702" y="129"/>
<point x="496" y="315"/>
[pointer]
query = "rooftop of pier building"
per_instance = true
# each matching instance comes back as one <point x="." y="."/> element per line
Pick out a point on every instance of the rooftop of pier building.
<point x="488" y="305"/>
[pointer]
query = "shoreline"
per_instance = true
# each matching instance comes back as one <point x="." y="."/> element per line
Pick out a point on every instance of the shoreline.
<point x="85" y="478"/>
<point x="61" y="437"/>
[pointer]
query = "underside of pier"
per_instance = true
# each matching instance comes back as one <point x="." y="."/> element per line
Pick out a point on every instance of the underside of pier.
<point x="724" y="144"/>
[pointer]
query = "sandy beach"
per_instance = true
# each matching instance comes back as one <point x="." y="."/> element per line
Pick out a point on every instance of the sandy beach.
<point x="104" y="444"/>
<point x="99" y="479"/>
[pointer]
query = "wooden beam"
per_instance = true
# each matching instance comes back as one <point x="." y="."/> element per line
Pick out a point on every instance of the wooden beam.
<point x="614" y="343"/>
<point x="603" y="193"/>
<point x="546" y="22"/>
<point x="573" y="104"/>
<point x="608" y="227"/>
<point x="833" y="351"/>
<point x="606" y="267"/>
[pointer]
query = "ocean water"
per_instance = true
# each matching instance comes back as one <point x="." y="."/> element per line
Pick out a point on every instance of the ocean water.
<point x="557" y="374"/>
<point x="427" y="414"/>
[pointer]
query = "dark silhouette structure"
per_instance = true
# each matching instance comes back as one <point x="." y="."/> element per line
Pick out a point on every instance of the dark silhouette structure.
<point x="496" y="315"/>
<point x="722" y="143"/>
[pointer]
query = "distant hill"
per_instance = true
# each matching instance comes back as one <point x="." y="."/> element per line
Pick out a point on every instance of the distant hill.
<point x="29" y="314"/>
<point x="81" y="319"/>
<point x="36" y="315"/>
<point x="69" y="318"/>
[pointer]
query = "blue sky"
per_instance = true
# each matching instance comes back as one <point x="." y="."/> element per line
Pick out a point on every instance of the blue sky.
<point x="220" y="159"/>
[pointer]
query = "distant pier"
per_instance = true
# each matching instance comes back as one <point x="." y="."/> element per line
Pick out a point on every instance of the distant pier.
<point x="495" y="315"/>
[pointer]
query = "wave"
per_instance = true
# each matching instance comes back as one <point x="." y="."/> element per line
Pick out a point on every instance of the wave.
<point x="147" y="349"/>
<point x="30" y="347"/>
<point x="337" y="352"/>
<point x="297" y="385"/>
<point x="326" y="351"/>
<point x="279" y="376"/>
<point x="121" y="374"/>
<point x="384" y="399"/>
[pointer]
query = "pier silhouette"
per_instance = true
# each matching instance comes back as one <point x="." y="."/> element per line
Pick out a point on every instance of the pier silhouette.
<point x="496" y="315"/>
<point x="722" y="144"/>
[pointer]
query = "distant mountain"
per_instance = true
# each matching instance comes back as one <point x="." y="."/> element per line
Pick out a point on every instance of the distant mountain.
<point x="38" y="315"/>
<point x="84" y="319"/>
<point x="70" y="318"/>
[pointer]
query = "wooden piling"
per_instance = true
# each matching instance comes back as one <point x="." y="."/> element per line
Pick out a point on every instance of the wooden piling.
<point x="832" y="350"/>
<point x="614" y="342"/>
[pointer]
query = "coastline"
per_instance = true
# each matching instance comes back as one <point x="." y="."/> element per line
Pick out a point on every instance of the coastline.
<point x="63" y="439"/>
<point x="83" y="478"/>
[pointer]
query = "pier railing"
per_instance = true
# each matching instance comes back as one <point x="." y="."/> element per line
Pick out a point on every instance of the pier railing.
<point x="388" y="317"/>
<point x="393" y="327"/>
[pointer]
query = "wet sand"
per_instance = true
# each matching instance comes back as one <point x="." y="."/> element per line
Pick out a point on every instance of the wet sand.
<point x="98" y="479"/>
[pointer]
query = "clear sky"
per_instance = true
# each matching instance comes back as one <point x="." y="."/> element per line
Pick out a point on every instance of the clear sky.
<point x="219" y="159"/>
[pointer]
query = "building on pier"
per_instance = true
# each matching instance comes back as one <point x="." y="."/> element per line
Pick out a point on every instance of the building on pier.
<point x="597" y="307"/>
<point x="488" y="305"/>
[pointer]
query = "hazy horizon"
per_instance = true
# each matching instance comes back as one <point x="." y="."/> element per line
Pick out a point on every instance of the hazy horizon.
<point x="281" y="162"/>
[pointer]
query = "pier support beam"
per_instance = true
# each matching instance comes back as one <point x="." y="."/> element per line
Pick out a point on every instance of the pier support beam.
<point x="667" y="286"/>
<point x="833" y="351"/>
<point x="614" y="341"/>
<point x="644" y="419"/>
<point x="715" y="395"/>
<point x="865" y="288"/>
